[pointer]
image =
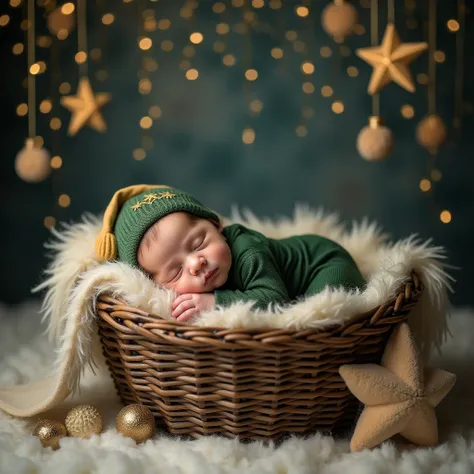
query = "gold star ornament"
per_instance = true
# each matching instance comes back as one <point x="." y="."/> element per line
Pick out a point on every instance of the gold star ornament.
<point x="85" y="108"/>
<point x="390" y="61"/>
<point x="399" y="395"/>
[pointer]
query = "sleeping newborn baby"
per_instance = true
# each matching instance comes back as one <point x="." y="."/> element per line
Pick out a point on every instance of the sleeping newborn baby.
<point x="183" y="246"/>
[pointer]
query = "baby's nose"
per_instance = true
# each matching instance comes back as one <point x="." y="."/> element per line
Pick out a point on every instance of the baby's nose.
<point x="196" y="265"/>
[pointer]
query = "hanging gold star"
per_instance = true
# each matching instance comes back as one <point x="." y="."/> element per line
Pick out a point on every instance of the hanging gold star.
<point x="85" y="108"/>
<point x="390" y="61"/>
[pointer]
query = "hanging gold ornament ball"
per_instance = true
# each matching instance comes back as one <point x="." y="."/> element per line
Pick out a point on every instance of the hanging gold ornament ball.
<point x="339" y="18"/>
<point x="137" y="422"/>
<point x="84" y="421"/>
<point x="50" y="432"/>
<point x="431" y="132"/>
<point x="375" y="141"/>
<point x="60" y="24"/>
<point x="32" y="163"/>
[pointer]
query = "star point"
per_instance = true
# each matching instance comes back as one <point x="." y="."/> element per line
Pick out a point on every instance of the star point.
<point x="85" y="108"/>
<point x="390" y="61"/>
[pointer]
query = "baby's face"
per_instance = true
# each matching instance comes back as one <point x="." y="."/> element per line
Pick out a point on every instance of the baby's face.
<point x="185" y="254"/>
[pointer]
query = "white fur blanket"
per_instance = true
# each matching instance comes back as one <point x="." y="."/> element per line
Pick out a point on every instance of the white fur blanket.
<point x="75" y="279"/>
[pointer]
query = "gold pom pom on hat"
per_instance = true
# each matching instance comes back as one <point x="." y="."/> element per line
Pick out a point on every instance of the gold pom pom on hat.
<point x="106" y="243"/>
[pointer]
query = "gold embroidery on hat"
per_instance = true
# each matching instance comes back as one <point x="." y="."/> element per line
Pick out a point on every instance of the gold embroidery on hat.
<point x="151" y="198"/>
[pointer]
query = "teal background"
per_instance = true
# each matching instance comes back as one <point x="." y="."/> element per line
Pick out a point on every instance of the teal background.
<point x="197" y="140"/>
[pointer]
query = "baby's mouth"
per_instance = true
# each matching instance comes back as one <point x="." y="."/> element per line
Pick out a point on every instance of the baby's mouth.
<point x="209" y="276"/>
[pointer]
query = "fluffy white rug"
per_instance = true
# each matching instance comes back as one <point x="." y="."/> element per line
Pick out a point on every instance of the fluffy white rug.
<point x="25" y="354"/>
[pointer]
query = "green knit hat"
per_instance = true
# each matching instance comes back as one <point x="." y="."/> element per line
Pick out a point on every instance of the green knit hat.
<point x="137" y="213"/>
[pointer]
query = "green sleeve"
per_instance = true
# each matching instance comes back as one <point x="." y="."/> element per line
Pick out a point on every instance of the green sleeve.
<point x="261" y="282"/>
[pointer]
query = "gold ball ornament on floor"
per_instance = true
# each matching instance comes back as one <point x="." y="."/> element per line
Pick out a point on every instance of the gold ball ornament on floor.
<point x="375" y="141"/>
<point x="431" y="132"/>
<point x="137" y="422"/>
<point x="84" y="421"/>
<point x="50" y="432"/>
<point x="338" y="19"/>
<point x="32" y="164"/>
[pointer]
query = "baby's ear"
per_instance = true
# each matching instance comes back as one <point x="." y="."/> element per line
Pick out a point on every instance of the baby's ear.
<point x="219" y="226"/>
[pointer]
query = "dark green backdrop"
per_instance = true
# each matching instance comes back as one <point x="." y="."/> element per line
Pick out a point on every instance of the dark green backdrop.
<point x="197" y="141"/>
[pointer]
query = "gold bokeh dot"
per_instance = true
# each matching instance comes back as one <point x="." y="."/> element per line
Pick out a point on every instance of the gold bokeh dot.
<point x="18" y="48"/>
<point x="196" y="38"/>
<point x="327" y="91"/>
<point x="95" y="54"/>
<point x="248" y="136"/>
<point x="62" y="34"/>
<point x="192" y="74"/>
<point x="139" y="154"/>
<point x="64" y="200"/>
<point x="146" y="122"/>
<point x="154" y="112"/>
<point x="34" y="68"/>
<point x="258" y="3"/>
<point x="302" y="11"/>
<point x="275" y="4"/>
<point x="65" y="88"/>
<point x="145" y="44"/>
<point x="436" y="175"/>
<point x="425" y="185"/>
<point x="228" y="59"/>
<point x="337" y="107"/>
<point x="445" y="217"/>
<point x="308" y="87"/>
<point x="218" y="7"/>
<point x="422" y="78"/>
<point x="256" y="105"/>
<point x="325" y="51"/>
<point x="251" y="74"/>
<point x="56" y="162"/>
<point x="222" y="28"/>
<point x="15" y="3"/>
<point x="218" y="46"/>
<point x="299" y="46"/>
<point x="291" y="35"/>
<point x="42" y="66"/>
<point x="4" y="20"/>
<point x="185" y="64"/>
<point x="68" y="8"/>
<point x="150" y="24"/>
<point x="359" y="29"/>
<point x="108" y="19"/>
<point x="439" y="56"/>
<point x="55" y="123"/>
<point x="352" y="71"/>
<point x="453" y="25"/>
<point x="22" y="110"/>
<point x="167" y="45"/>
<point x="189" y="51"/>
<point x="407" y="111"/>
<point x="276" y="53"/>
<point x="49" y="222"/>
<point x="307" y="67"/>
<point x="301" y="130"/>
<point x="144" y="86"/>
<point x="38" y="141"/>
<point x="81" y="57"/>
<point x="164" y="24"/>
<point x="44" y="41"/>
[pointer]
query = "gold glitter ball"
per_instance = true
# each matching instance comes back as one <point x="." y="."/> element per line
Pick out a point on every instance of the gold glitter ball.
<point x="431" y="132"/>
<point x="50" y="432"/>
<point x="137" y="422"/>
<point x="84" y="421"/>
<point x="375" y="141"/>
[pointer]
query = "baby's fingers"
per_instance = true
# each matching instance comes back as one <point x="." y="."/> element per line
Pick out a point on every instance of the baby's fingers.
<point x="182" y="307"/>
<point x="179" y="299"/>
<point x="188" y="314"/>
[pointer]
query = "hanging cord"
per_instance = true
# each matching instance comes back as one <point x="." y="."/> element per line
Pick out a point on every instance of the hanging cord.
<point x="31" y="77"/>
<point x="82" y="35"/>
<point x="374" y="39"/>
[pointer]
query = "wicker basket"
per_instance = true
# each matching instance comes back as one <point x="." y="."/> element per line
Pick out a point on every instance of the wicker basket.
<point x="252" y="384"/>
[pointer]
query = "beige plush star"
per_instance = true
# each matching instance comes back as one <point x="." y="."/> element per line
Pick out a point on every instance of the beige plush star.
<point x="85" y="108"/>
<point x="390" y="61"/>
<point x="399" y="396"/>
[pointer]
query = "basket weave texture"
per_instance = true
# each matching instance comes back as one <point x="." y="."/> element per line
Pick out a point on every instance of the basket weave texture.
<point x="251" y="384"/>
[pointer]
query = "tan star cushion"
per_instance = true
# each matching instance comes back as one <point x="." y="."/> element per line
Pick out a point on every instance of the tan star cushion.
<point x="399" y="395"/>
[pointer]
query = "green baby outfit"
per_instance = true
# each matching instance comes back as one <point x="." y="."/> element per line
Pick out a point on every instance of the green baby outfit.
<point x="281" y="271"/>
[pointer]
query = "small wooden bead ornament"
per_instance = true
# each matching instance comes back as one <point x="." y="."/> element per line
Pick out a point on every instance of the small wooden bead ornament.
<point x="137" y="422"/>
<point x="50" y="432"/>
<point x="338" y="19"/>
<point x="32" y="163"/>
<point x="84" y="421"/>
<point x="375" y="141"/>
<point x="431" y="132"/>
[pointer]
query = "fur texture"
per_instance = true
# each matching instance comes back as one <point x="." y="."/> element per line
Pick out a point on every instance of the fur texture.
<point x="74" y="279"/>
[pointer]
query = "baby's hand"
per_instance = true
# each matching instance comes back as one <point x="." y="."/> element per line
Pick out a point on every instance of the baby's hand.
<point x="187" y="305"/>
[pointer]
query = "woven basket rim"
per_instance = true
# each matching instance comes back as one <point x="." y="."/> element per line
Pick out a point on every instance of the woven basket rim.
<point x="105" y="300"/>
